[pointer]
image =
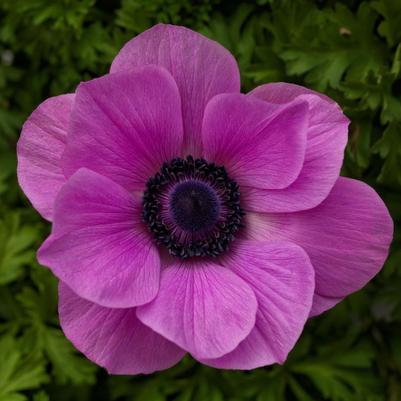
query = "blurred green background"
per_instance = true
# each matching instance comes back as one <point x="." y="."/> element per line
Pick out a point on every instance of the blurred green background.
<point x="350" y="50"/>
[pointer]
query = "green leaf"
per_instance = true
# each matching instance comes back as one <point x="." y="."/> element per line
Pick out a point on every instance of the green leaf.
<point x="345" y="45"/>
<point x="19" y="371"/>
<point x="390" y="26"/>
<point x="389" y="148"/>
<point x="66" y="363"/>
<point x="41" y="396"/>
<point x="16" y="251"/>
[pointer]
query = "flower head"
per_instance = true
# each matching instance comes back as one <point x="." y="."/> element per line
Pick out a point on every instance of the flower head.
<point x="188" y="217"/>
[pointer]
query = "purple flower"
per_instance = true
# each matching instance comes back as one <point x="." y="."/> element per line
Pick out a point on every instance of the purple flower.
<point x="188" y="217"/>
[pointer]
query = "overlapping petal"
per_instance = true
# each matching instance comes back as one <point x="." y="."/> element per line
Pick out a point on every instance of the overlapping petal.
<point x="202" y="307"/>
<point x="39" y="151"/>
<point x="347" y="237"/>
<point x="261" y="145"/>
<point x="282" y="277"/>
<point x="114" y="338"/>
<point x="125" y="125"/>
<point x="322" y="303"/>
<point x="201" y="67"/>
<point x="326" y="140"/>
<point x="98" y="245"/>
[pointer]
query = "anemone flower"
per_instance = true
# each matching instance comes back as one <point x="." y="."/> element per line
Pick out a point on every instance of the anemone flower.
<point x="188" y="217"/>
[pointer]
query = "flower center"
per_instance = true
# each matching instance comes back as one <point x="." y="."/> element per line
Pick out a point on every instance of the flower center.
<point x="192" y="207"/>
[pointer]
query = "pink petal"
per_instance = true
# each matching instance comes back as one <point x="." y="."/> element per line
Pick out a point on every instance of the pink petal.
<point x="202" y="307"/>
<point x="39" y="151"/>
<point x="125" y="125"/>
<point x="322" y="304"/>
<point x="327" y="137"/>
<point x="201" y="67"/>
<point x="282" y="277"/>
<point x="114" y="338"/>
<point x="98" y="245"/>
<point x="347" y="236"/>
<point x="261" y="145"/>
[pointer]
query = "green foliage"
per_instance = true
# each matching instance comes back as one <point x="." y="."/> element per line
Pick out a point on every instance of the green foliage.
<point x="19" y="370"/>
<point x="136" y="16"/>
<point x="16" y="247"/>
<point x="350" y="50"/>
